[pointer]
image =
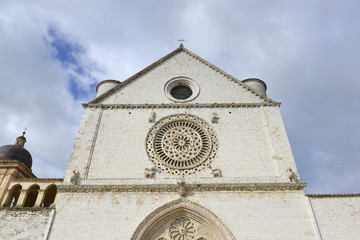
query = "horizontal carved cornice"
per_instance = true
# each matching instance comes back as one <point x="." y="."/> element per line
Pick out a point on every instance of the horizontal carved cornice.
<point x="8" y="163"/>
<point x="59" y="180"/>
<point x="333" y="195"/>
<point x="200" y="105"/>
<point x="243" y="187"/>
<point x="27" y="209"/>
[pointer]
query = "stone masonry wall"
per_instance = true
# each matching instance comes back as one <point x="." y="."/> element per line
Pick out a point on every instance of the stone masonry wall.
<point x="337" y="217"/>
<point x="25" y="223"/>
<point x="253" y="145"/>
<point x="248" y="215"/>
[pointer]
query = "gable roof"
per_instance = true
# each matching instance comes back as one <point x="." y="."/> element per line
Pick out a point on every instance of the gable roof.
<point x="181" y="48"/>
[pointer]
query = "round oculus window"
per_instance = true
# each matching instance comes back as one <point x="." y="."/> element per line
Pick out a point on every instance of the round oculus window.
<point x="181" y="89"/>
<point x="181" y="144"/>
<point x="181" y="92"/>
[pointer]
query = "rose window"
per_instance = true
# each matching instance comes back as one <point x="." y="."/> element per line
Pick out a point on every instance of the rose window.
<point x="181" y="144"/>
<point x="182" y="229"/>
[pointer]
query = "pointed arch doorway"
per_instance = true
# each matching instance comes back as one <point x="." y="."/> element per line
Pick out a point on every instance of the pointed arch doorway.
<point x="182" y="220"/>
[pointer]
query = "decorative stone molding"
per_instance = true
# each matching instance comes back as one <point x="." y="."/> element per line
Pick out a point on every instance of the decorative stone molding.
<point x="181" y="189"/>
<point x="149" y="172"/>
<point x="181" y="144"/>
<point x="333" y="195"/>
<point x="152" y="117"/>
<point x="93" y="142"/>
<point x="216" y="172"/>
<point x="7" y="163"/>
<point x="35" y="180"/>
<point x="182" y="81"/>
<point x="240" y="187"/>
<point x="179" y="106"/>
<point x="187" y="205"/>
<point x="214" y="118"/>
<point x="27" y="209"/>
<point x="75" y="178"/>
<point x="182" y="228"/>
<point x="293" y="176"/>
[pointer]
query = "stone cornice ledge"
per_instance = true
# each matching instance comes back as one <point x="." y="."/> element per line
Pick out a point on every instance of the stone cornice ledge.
<point x="333" y="195"/>
<point x="242" y="187"/>
<point x="172" y="105"/>
<point x="27" y="209"/>
<point x="37" y="179"/>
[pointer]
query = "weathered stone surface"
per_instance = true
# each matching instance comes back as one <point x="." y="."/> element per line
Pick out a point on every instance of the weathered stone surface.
<point x="25" y="223"/>
<point x="338" y="217"/>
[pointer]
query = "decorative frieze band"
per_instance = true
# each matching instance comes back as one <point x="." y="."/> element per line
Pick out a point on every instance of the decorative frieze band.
<point x="200" y="105"/>
<point x="242" y="187"/>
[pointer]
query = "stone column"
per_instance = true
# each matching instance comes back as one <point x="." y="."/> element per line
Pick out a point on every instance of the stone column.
<point x="5" y="181"/>
<point x="39" y="198"/>
<point x="3" y="184"/>
<point x="21" y="200"/>
<point x="5" y="196"/>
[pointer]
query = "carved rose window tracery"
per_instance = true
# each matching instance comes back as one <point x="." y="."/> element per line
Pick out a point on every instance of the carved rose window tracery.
<point x="182" y="229"/>
<point x="181" y="144"/>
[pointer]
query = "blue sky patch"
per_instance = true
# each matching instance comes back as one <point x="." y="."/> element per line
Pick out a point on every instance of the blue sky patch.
<point x="75" y="89"/>
<point x="68" y="54"/>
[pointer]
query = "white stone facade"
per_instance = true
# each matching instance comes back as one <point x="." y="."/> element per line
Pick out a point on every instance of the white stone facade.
<point x="337" y="216"/>
<point x="245" y="185"/>
<point x="110" y="150"/>
<point x="252" y="151"/>
<point x="253" y="145"/>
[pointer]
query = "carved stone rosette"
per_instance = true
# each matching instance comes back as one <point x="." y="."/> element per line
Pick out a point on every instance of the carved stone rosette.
<point x="181" y="144"/>
<point x="182" y="229"/>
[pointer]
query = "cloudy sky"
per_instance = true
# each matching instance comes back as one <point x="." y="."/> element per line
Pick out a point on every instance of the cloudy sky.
<point x="53" y="54"/>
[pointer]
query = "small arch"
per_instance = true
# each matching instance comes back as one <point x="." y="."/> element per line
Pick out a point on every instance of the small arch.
<point x="31" y="195"/>
<point x="13" y="196"/>
<point x="182" y="219"/>
<point x="49" y="196"/>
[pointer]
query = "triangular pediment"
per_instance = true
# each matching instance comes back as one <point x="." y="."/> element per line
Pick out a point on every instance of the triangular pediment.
<point x="149" y="86"/>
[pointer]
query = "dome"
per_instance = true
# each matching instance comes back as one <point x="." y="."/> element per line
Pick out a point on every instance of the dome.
<point x="18" y="153"/>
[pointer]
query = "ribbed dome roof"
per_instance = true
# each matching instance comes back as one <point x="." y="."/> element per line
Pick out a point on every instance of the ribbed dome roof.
<point x="18" y="153"/>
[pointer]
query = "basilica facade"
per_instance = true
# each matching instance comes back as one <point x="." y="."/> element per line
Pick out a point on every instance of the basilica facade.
<point x="179" y="151"/>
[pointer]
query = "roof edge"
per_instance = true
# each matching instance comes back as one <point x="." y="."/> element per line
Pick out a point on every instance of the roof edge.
<point x="121" y="84"/>
<point x="336" y="195"/>
<point x="229" y="76"/>
<point x="25" y="169"/>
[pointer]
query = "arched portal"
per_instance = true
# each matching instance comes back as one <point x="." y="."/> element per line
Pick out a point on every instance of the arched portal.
<point x="182" y="220"/>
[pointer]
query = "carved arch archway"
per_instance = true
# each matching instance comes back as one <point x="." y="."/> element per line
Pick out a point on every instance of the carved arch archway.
<point x="31" y="195"/>
<point x="49" y="196"/>
<point x="182" y="220"/>
<point x="13" y="196"/>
